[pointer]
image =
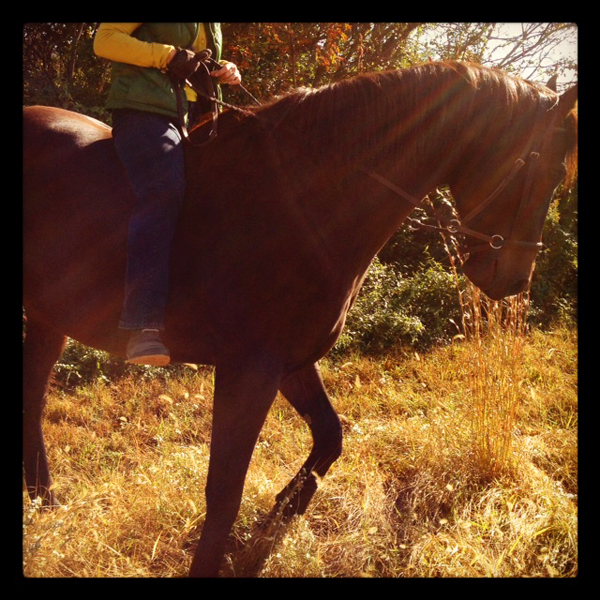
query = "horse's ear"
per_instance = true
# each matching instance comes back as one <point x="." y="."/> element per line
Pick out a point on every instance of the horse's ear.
<point x="567" y="101"/>
<point x="551" y="85"/>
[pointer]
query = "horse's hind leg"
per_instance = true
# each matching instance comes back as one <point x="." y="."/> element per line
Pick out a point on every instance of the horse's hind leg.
<point x="306" y="393"/>
<point x="41" y="349"/>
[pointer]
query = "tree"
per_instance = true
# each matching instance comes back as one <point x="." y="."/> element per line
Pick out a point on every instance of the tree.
<point x="61" y="69"/>
<point x="535" y="50"/>
<point x="277" y="57"/>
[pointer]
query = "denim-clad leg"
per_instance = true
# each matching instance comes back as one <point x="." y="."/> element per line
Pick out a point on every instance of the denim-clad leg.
<point x="150" y="148"/>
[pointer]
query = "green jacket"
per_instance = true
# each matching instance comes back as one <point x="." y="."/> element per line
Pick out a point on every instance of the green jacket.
<point x="148" y="88"/>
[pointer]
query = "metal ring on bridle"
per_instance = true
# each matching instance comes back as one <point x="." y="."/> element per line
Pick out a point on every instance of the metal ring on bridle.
<point x="453" y="226"/>
<point x="497" y="242"/>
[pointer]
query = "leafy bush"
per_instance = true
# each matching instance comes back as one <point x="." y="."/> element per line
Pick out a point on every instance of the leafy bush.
<point x="419" y="310"/>
<point x="411" y="298"/>
<point x="554" y="287"/>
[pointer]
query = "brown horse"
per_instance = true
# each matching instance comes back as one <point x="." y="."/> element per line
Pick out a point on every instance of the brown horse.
<point x="285" y="210"/>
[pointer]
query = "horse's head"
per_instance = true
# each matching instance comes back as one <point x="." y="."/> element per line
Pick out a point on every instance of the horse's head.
<point x="505" y="202"/>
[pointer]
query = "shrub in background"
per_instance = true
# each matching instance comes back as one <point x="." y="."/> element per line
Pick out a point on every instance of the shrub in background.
<point x="419" y="310"/>
<point x="410" y="295"/>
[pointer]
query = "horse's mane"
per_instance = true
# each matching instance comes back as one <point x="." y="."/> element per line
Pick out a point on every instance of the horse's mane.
<point x="441" y="103"/>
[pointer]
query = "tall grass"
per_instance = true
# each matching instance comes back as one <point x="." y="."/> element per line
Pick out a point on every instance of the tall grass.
<point x="408" y="497"/>
<point x="460" y="462"/>
<point x="497" y="331"/>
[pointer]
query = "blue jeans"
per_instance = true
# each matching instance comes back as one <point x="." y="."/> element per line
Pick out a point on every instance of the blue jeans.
<point x="150" y="148"/>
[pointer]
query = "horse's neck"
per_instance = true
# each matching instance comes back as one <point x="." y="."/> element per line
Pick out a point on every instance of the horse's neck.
<point x="356" y="207"/>
<point x="313" y="150"/>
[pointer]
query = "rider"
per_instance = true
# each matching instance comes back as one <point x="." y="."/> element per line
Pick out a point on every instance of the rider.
<point x="146" y="58"/>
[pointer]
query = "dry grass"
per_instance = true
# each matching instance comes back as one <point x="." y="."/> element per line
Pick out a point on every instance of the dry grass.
<point x="411" y="496"/>
<point x="497" y="332"/>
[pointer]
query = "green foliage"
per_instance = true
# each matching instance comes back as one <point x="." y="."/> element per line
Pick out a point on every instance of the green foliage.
<point x="275" y="57"/>
<point x="82" y="365"/>
<point x="410" y="295"/>
<point x="61" y="69"/>
<point x="554" y="288"/>
<point x="419" y="310"/>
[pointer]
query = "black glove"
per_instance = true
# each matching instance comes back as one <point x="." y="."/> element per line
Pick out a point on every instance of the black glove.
<point x="183" y="65"/>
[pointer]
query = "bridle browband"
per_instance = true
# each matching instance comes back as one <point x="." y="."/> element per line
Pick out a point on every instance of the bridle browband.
<point x="452" y="226"/>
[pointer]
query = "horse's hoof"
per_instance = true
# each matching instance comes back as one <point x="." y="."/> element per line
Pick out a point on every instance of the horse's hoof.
<point x="47" y="501"/>
<point x="296" y="501"/>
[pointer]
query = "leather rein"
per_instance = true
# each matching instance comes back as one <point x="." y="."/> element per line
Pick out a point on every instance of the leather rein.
<point x="204" y="63"/>
<point x="446" y="224"/>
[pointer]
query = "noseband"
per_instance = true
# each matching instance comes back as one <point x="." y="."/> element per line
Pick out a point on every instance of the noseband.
<point x="455" y="226"/>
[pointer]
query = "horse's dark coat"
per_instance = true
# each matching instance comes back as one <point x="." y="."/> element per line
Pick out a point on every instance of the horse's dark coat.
<point x="278" y="230"/>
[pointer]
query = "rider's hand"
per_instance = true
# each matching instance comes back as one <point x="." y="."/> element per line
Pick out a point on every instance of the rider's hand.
<point x="228" y="73"/>
<point x="182" y="64"/>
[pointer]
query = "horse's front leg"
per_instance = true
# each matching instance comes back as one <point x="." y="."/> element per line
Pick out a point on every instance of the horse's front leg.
<point x="305" y="391"/>
<point x="243" y="397"/>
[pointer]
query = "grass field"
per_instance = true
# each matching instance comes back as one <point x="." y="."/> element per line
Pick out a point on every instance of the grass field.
<point x="431" y="482"/>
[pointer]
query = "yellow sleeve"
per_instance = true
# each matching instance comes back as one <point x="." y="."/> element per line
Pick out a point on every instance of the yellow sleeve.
<point x="115" y="42"/>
